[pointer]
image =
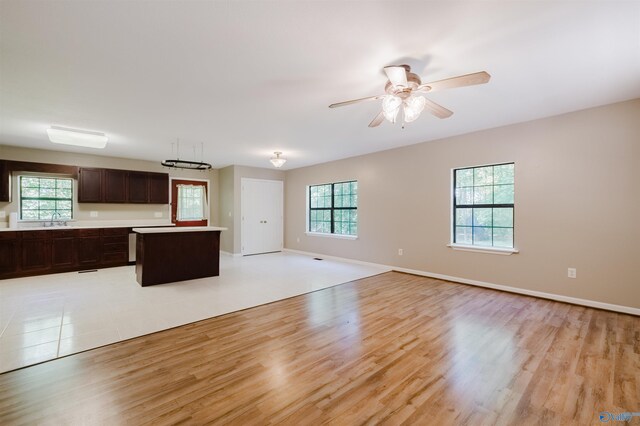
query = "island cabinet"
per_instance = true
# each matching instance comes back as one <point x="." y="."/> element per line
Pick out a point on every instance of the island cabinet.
<point x="122" y="186"/>
<point x="165" y="255"/>
<point x="9" y="253"/>
<point x="5" y="182"/>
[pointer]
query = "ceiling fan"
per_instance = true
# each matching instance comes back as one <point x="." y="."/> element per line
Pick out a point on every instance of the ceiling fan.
<point x="403" y="90"/>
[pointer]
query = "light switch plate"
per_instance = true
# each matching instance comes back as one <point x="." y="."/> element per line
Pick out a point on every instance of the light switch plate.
<point x="157" y="214"/>
<point x="93" y="213"/>
<point x="3" y="214"/>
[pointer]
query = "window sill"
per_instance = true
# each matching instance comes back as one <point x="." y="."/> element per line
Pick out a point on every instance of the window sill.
<point x="338" y="236"/>
<point x="489" y="250"/>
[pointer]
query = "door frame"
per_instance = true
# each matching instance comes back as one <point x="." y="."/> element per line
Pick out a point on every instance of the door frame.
<point x="242" y="225"/>
<point x="207" y="181"/>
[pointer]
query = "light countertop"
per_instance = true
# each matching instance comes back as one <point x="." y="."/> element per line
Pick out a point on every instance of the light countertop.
<point x="178" y="229"/>
<point x="88" y="226"/>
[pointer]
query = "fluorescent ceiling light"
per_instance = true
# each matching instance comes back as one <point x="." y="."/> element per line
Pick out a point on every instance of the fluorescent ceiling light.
<point x="85" y="138"/>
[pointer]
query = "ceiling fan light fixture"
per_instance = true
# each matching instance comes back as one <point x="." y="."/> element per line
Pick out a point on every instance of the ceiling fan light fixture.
<point x="390" y="107"/>
<point x="278" y="161"/>
<point x="413" y="106"/>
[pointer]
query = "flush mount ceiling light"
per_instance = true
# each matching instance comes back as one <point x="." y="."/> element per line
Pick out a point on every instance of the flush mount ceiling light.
<point x="76" y="137"/>
<point x="278" y="161"/>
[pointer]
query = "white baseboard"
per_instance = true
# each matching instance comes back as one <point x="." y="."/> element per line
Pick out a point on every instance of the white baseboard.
<point x="230" y="254"/>
<point x="540" y="294"/>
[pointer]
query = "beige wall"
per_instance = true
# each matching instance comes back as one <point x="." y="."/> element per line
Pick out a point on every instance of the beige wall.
<point x="226" y="208"/>
<point x="108" y="211"/>
<point x="577" y="205"/>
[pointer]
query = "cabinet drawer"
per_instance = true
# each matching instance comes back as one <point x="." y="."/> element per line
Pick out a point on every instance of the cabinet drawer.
<point x="117" y="247"/>
<point x="91" y="232"/>
<point x="34" y="235"/>
<point x="9" y="235"/>
<point x="116" y="240"/>
<point x="119" y="257"/>
<point x="115" y="231"/>
<point x="63" y="233"/>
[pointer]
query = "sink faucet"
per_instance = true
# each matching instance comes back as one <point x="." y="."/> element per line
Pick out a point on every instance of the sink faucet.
<point x="55" y="213"/>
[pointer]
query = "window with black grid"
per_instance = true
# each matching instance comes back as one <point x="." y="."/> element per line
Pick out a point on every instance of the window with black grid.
<point x="333" y="208"/>
<point x="483" y="205"/>
<point x="44" y="198"/>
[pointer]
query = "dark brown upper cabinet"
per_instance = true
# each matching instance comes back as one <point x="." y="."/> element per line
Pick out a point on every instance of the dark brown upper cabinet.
<point x="138" y="187"/>
<point x="5" y="182"/>
<point x="158" y="188"/>
<point x="115" y="186"/>
<point x="122" y="186"/>
<point x="90" y="185"/>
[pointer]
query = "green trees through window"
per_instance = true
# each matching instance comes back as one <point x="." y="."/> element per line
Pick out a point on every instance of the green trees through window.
<point x="43" y="197"/>
<point x="333" y="208"/>
<point x="483" y="205"/>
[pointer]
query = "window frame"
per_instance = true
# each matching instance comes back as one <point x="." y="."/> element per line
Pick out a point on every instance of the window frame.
<point x="332" y="209"/>
<point x="454" y="206"/>
<point x="41" y="176"/>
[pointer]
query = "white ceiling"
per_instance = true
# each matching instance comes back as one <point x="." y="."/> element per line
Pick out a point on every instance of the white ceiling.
<point x="250" y="78"/>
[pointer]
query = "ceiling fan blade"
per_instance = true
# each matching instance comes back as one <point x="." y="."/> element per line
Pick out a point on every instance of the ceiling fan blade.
<point x="354" y="101"/>
<point x="460" y="81"/>
<point x="437" y="110"/>
<point x="377" y="120"/>
<point x="397" y="75"/>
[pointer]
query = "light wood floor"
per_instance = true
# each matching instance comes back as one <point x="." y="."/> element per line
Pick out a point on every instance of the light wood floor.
<point x="388" y="349"/>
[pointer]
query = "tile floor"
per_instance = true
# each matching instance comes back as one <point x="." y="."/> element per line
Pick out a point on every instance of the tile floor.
<point x="50" y="316"/>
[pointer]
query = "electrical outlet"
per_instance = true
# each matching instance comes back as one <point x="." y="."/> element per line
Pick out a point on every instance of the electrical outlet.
<point x="571" y="272"/>
<point x="229" y="214"/>
<point x="3" y="214"/>
<point x="93" y="213"/>
<point x="157" y="214"/>
<point x="298" y="240"/>
<point x="400" y="252"/>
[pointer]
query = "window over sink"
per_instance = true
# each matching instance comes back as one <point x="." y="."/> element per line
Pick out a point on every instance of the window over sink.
<point x="46" y="198"/>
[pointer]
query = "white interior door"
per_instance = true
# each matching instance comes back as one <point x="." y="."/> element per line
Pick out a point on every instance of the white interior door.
<point x="261" y="207"/>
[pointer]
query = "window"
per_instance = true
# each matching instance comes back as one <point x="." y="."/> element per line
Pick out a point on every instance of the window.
<point x="46" y="198"/>
<point x="191" y="202"/>
<point x="333" y="208"/>
<point x="483" y="206"/>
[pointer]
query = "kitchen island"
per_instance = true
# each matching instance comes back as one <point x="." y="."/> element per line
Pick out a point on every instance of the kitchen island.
<point x="165" y="255"/>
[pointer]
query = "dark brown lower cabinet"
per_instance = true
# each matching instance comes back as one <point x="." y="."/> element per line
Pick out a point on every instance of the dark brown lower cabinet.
<point x="26" y="253"/>
<point x="88" y="249"/>
<point x="63" y="254"/>
<point x="9" y="253"/>
<point x="36" y="252"/>
<point x="115" y="246"/>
